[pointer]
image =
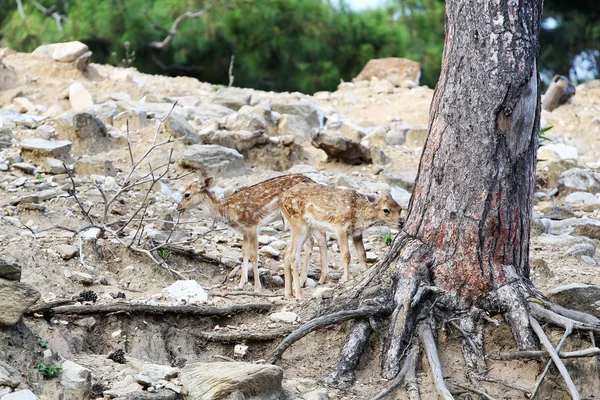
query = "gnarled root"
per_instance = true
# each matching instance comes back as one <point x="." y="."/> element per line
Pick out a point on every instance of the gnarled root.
<point x="343" y="376"/>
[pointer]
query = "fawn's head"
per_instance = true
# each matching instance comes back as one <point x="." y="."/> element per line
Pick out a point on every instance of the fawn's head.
<point x="196" y="193"/>
<point x="388" y="209"/>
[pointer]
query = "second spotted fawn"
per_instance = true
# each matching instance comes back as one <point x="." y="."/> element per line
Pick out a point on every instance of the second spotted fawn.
<point x="309" y="206"/>
<point x="245" y="210"/>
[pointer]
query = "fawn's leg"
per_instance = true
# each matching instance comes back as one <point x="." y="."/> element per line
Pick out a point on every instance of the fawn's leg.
<point x="287" y="272"/>
<point x="253" y="247"/>
<point x="360" y="249"/>
<point x="307" y="253"/>
<point x="244" y="278"/>
<point x="299" y="237"/>
<point x="343" y="242"/>
<point x="322" y="242"/>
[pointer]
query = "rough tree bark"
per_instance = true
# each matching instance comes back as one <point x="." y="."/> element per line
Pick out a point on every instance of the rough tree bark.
<point x="464" y="251"/>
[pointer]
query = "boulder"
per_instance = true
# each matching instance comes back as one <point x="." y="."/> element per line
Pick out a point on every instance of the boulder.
<point x="214" y="381"/>
<point x="293" y="125"/>
<point x="415" y="137"/>
<point x="79" y="97"/>
<point x="583" y="201"/>
<point x="285" y="316"/>
<point x="212" y="160"/>
<point x="241" y="141"/>
<point x="124" y="387"/>
<point x="76" y="380"/>
<point x="578" y="296"/>
<point x="52" y="166"/>
<point x="37" y="150"/>
<point x="15" y="299"/>
<point x="244" y="120"/>
<point x="86" y="132"/>
<point x="548" y="173"/>
<point x="578" y="180"/>
<point x="95" y="165"/>
<point x="557" y="152"/>
<point x="9" y="376"/>
<point x="178" y="127"/>
<point x="580" y="249"/>
<point x="158" y="372"/>
<point x="63" y="52"/>
<point x="403" y="180"/>
<point x="395" y="70"/>
<point x="233" y="98"/>
<point x="20" y="395"/>
<point x="346" y="150"/>
<point x="313" y="115"/>
<point x="352" y="131"/>
<point x="10" y="269"/>
<point x="187" y="292"/>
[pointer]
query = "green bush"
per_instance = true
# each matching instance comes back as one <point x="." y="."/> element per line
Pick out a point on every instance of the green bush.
<point x="293" y="45"/>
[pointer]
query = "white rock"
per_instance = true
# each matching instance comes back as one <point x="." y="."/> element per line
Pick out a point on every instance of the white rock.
<point x="143" y="380"/>
<point x="557" y="152"/>
<point x="76" y="378"/>
<point x="371" y="256"/>
<point x="20" y="395"/>
<point x="91" y="234"/>
<point x="270" y="252"/>
<point x="189" y="292"/>
<point x="62" y="52"/>
<point x="79" y="97"/>
<point x="240" y="350"/>
<point x="156" y="372"/>
<point x="583" y="201"/>
<point x="323" y="293"/>
<point x="285" y="316"/>
<point x="278" y="244"/>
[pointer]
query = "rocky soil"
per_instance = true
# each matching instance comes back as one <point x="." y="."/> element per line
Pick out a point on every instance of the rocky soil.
<point x="57" y="111"/>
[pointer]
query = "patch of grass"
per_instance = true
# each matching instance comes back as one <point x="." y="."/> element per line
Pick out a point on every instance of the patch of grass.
<point x="39" y="177"/>
<point x="43" y="344"/>
<point x="387" y="239"/>
<point x="165" y="254"/>
<point x="543" y="138"/>
<point x="217" y="87"/>
<point x="49" y="371"/>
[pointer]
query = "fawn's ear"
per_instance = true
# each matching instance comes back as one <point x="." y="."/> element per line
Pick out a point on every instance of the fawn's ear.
<point x="208" y="182"/>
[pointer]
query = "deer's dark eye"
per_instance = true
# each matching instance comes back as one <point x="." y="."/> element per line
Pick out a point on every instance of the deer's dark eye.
<point x="187" y="195"/>
<point x="386" y="211"/>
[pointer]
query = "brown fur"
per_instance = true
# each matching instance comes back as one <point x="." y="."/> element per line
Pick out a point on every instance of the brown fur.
<point x="309" y="206"/>
<point x="245" y="210"/>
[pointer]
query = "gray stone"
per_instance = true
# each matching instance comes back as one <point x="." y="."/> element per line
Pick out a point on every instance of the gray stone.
<point x="539" y="226"/>
<point x="143" y="380"/>
<point x="557" y="152"/>
<point x="404" y="180"/>
<point x="352" y="131"/>
<point x="25" y="167"/>
<point x="82" y="277"/>
<point x="30" y="198"/>
<point x="585" y="226"/>
<point x="15" y="299"/>
<point x="318" y="394"/>
<point x="339" y="148"/>
<point x="233" y="98"/>
<point x="52" y="166"/>
<point x="581" y="249"/>
<point x="39" y="149"/>
<point x="95" y="165"/>
<point x="10" y="269"/>
<point x="157" y="372"/>
<point x="62" y="52"/>
<point x="20" y="395"/>
<point x="559" y="213"/>
<point x="578" y="296"/>
<point x="270" y="252"/>
<point x="66" y="251"/>
<point x="209" y="111"/>
<point x="323" y="293"/>
<point x="124" y="387"/>
<point x="105" y="112"/>
<point x="76" y="380"/>
<point x="244" y="120"/>
<point x="313" y="115"/>
<point x="86" y="132"/>
<point x="79" y="97"/>
<point x="13" y="118"/>
<point x="135" y="119"/>
<point x="578" y="180"/>
<point x="177" y="126"/>
<point x="209" y="381"/>
<point x="242" y="141"/>
<point x="293" y="125"/>
<point x="9" y="376"/>
<point x="212" y="160"/>
<point x="285" y="316"/>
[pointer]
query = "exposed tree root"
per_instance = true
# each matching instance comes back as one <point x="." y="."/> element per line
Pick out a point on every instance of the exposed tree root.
<point x="321" y="322"/>
<point x="252" y="336"/>
<point x="406" y="375"/>
<point x="158" y="309"/>
<point x="541" y="355"/>
<point x="429" y="344"/>
<point x="343" y="375"/>
<point x="538" y="384"/>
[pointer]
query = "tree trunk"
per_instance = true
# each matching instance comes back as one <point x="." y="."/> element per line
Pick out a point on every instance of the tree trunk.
<point x="464" y="250"/>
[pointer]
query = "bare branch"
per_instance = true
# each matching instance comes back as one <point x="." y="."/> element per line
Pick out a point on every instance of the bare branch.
<point x="51" y="12"/>
<point x="231" y="77"/>
<point x="73" y="192"/>
<point x="173" y="31"/>
<point x="542" y="355"/>
<point x="549" y="363"/>
<point x="20" y="7"/>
